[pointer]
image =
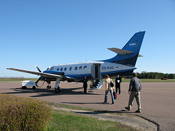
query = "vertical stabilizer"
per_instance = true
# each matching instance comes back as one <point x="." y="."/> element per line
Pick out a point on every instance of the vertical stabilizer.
<point x="133" y="46"/>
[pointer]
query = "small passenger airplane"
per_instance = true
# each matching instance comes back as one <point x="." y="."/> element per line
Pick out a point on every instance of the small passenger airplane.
<point x="123" y="63"/>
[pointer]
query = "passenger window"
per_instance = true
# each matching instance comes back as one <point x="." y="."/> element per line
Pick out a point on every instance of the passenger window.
<point x="80" y="68"/>
<point x="84" y="67"/>
<point x="57" y="69"/>
<point x="65" y="69"/>
<point x="76" y="68"/>
<point x="70" y="68"/>
<point x="61" y="69"/>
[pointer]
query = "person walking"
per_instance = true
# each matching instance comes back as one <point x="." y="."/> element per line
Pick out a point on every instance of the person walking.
<point x="109" y="87"/>
<point x="118" y="80"/>
<point x="134" y="91"/>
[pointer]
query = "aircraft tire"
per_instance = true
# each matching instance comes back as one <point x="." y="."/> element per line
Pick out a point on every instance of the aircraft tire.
<point x="48" y="87"/>
<point x="24" y="87"/>
<point x="57" y="91"/>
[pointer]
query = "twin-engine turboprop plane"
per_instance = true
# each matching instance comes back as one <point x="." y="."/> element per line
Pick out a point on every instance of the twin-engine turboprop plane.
<point x="123" y="63"/>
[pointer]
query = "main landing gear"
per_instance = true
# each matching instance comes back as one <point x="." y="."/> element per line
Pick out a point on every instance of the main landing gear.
<point x="56" y="86"/>
<point x="49" y="85"/>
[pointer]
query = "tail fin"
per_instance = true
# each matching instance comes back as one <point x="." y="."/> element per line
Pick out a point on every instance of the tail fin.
<point x="133" y="46"/>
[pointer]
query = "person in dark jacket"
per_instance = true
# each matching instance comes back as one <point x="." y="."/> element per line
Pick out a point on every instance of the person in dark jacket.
<point x="134" y="91"/>
<point x="118" y="80"/>
<point x="85" y="85"/>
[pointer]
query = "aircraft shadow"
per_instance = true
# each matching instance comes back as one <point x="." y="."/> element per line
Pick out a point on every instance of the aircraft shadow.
<point x="29" y="90"/>
<point x="68" y="91"/>
<point x="45" y="92"/>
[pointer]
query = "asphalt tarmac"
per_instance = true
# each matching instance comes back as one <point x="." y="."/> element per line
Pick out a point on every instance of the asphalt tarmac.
<point x="158" y="99"/>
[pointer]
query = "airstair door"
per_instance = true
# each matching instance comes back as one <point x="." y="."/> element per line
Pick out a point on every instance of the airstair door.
<point x="96" y="72"/>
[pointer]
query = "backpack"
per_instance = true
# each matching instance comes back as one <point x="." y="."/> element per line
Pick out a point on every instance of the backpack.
<point x="111" y="84"/>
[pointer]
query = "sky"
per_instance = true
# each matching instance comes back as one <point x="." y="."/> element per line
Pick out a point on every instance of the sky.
<point x="49" y="32"/>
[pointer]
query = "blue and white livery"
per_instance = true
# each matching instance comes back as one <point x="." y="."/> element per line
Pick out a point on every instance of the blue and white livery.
<point x="123" y="63"/>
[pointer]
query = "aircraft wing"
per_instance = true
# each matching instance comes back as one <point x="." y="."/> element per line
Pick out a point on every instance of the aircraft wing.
<point x="38" y="73"/>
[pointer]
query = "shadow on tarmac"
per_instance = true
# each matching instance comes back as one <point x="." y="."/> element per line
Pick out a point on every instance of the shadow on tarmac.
<point x="99" y="111"/>
<point x="105" y="112"/>
<point x="51" y="92"/>
<point x="82" y="103"/>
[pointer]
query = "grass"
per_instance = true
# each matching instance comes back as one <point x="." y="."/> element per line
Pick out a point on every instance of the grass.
<point x="67" y="121"/>
<point x="16" y="79"/>
<point x="70" y="106"/>
<point x="157" y="80"/>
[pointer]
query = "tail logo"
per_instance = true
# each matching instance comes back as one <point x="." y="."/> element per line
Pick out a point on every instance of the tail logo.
<point x="132" y="44"/>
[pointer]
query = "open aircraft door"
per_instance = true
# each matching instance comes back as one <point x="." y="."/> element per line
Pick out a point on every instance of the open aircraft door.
<point x="95" y="71"/>
<point x="96" y="75"/>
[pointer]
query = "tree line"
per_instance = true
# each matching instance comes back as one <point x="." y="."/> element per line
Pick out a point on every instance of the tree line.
<point x="155" y="75"/>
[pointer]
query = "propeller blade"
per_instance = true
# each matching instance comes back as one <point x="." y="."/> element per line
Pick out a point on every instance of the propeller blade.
<point x="38" y="68"/>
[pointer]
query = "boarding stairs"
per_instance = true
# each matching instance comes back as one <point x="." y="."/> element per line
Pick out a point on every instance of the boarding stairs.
<point x="98" y="84"/>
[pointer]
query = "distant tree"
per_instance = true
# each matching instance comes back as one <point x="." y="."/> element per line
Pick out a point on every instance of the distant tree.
<point x="155" y="75"/>
<point x="170" y="76"/>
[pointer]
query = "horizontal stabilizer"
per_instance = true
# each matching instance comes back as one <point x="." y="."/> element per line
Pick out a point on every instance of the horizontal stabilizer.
<point x="120" y="51"/>
<point x="140" y="55"/>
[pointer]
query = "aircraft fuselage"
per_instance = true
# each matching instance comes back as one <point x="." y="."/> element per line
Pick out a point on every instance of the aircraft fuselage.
<point x="94" y="70"/>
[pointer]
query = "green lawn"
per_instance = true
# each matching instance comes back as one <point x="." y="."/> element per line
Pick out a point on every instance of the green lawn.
<point x="16" y="79"/>
<point x="73" y="107"/>
<point x="66" y="121"/>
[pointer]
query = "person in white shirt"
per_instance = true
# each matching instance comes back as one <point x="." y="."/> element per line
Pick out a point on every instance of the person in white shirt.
<point x="109" y="87"/>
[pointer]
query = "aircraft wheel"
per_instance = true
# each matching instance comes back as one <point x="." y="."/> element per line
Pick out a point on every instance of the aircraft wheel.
<point x="48" y="87"/>
<point x="24" y="87"/>
<point x="57" y="91"/>
<point x="34" y="87"/>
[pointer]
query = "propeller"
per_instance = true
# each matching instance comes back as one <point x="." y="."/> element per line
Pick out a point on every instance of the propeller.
<point x="38" y="68"/>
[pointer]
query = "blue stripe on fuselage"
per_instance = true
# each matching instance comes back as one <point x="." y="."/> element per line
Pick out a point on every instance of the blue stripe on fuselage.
<point x="53" y="72"/>
<point x="78" y="76"/>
